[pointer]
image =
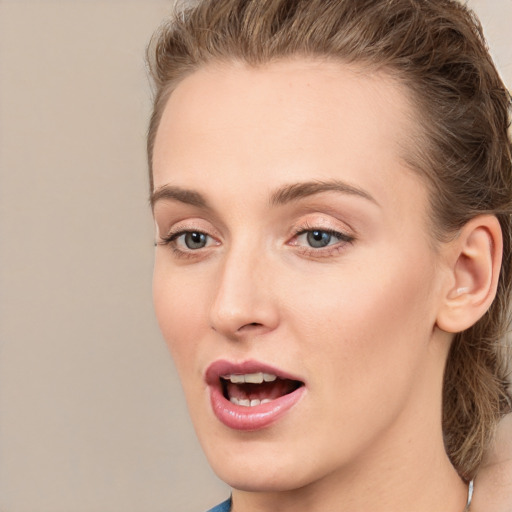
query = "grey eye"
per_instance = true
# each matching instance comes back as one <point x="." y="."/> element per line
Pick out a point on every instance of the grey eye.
<point x="195" y="240"/>
<point x="318" y="238"/>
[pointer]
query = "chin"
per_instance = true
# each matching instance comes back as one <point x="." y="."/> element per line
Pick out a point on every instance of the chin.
<point x="257" y="481"/>
<point x="259" y="467"/>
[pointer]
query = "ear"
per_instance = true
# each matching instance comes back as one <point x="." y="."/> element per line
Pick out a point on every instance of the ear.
<point x="474" y="262"/>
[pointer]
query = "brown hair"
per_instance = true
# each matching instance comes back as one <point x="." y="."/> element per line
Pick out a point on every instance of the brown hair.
<point x="437" y="50"/>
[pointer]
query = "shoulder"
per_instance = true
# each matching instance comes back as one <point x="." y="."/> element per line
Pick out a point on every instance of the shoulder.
<point x="493" y="485"/>
<point x="225" y="506"/>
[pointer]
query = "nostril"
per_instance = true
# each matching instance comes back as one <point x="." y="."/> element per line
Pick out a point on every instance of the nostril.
<point x="249" y="327"/>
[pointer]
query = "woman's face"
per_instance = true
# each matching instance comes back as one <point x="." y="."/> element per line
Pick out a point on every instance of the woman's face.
<point x="294" y="255"/>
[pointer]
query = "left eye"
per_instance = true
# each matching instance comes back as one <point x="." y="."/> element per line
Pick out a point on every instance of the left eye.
<point x="318" y="238"/>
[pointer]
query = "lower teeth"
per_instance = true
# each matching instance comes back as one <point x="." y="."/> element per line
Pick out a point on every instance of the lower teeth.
<point x="248" y="403"/>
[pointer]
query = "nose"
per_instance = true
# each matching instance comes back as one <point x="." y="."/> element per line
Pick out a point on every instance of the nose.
<point x="243" y="303"/>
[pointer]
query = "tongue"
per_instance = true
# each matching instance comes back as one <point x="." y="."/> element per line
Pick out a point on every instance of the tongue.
<point x="265" y="390"/>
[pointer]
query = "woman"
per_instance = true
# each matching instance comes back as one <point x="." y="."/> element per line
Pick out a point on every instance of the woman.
<point x="332" y="190"/>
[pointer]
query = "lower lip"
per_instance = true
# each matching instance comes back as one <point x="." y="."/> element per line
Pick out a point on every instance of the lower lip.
<point x="239" y="417"/>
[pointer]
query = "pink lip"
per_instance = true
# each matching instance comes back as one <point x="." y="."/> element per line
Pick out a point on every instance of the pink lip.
<point x="248" y="418"/>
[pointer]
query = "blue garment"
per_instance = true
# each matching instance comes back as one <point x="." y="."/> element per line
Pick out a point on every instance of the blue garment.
<point x="225" y="506"/>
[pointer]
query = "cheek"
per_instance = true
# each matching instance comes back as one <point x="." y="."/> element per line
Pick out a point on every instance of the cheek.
<point x="179" y="312"/>
<point x="369" y="320"/>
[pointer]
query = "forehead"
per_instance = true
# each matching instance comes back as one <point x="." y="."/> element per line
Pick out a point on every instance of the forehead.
<point x="283" y="122"/>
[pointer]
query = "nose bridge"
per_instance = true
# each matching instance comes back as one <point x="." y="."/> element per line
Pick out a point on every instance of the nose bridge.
<point x="243" y="296"/>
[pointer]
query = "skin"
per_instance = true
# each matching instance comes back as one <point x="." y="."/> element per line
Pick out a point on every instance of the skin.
<point x="358" y="321"/>
<point x="493" y="485"/>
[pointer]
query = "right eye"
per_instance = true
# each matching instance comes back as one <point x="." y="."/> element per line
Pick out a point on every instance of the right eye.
<point x="186" y="242"/>
<point x="192" y="239"/>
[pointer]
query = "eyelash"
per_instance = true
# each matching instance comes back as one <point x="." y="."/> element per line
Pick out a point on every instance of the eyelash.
<point x="326" y="251"/>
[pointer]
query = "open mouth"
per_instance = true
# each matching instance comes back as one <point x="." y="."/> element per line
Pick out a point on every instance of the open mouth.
<point x="251" y="395"/>
<point x="252" y="389"/>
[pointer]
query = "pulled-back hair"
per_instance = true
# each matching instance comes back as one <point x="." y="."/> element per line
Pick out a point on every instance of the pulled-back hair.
<point x="436" y="49"/>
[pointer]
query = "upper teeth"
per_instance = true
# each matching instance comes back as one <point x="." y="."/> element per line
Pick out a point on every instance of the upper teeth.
<point x="252" y="378"/>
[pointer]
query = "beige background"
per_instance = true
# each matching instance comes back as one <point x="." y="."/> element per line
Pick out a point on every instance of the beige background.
<point x="91" y="414"/>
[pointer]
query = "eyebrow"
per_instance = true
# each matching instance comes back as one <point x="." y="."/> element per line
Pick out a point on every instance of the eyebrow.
<point x="172" y="193"/>
<point x="296" y="191"/>
<point x="281" y="196"/>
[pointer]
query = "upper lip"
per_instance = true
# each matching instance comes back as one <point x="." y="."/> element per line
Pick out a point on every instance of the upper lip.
<point x="223" y="367"/>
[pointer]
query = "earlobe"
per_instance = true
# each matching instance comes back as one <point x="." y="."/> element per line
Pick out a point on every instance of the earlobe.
<point x="474" y="263"/>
